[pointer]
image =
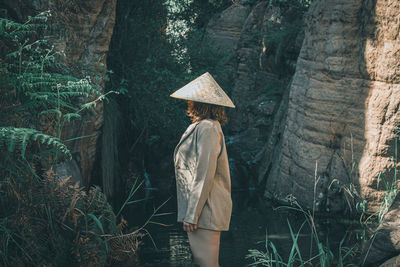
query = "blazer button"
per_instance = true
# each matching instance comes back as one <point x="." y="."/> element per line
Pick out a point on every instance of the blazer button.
<point x="176" y="166"/>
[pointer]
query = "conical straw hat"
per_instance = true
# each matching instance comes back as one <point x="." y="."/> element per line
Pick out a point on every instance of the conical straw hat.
<point x="204" y="89"/>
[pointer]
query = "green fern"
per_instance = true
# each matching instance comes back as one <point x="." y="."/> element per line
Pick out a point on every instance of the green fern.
<point x="35" y="90"/>
<point x="11" y="137"/>
<point x="31" y="68"/>
<point x="32" y="80"/>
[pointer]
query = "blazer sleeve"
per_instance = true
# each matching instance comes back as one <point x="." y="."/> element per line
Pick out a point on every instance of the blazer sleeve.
<point x="208" y="147"/>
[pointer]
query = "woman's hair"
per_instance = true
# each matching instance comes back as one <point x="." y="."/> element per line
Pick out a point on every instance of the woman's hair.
<point x="199" y="111"/>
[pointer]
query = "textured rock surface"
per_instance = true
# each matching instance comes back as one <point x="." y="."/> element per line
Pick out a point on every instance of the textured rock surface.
<point x="393" y="262"/>
<point x="385" y="243"/>
<point x="252" y="71"/>
<point x="343" y="104"/>
<point x="86" y="29"/>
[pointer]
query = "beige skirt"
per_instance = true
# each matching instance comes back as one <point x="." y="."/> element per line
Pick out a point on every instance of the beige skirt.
<point x="205" y="247"/>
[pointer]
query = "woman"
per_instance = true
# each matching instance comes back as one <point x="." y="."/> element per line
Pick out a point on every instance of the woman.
<point x="202" y="169"/>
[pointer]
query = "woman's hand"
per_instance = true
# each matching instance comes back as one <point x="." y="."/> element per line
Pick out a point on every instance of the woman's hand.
<point x="189" y="227"/>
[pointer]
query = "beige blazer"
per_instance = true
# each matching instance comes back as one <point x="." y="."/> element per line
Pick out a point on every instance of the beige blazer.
<point x="202" y="177"/>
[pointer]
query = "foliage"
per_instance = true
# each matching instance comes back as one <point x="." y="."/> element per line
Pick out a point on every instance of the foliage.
<point x="282" y="39"/>
<point x="391" y="187"/>
<point x="30" y="86"/>
<point x="11" y="137"/>
<point x="56" y="222"/>
<point x="45" y="220"/>
<point x="33" y="80"/>
<point x="354" y="201"/>
<point x="143" y="69"/>
<point x="345" y="256"/>
<point x="31" y="67"/>
<point x="322" y="255"/>
<point x="188" y="21"/>
<point x="147" y="63"/>
<point x="391" y="191"/>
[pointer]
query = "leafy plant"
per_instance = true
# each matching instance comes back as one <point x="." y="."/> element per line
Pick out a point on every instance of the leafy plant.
<point x="45" y="220"/>
<point x="34" y="82"/>
<point x="21" y="137"/>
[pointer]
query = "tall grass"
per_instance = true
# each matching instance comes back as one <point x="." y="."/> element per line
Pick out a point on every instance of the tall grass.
<point x="319" y="253"/>
<point x="322" y="255"/>
<point x="390" y="187"/>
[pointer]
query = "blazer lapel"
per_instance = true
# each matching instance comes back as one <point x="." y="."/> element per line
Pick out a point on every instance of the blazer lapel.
<point x="188" y="131"/>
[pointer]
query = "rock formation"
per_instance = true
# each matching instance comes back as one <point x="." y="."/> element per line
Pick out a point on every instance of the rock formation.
<point x="343" y="105"/>
<point x="255" y="71"/>
<point x="385" y="243"/>
<point x="392" y="262"/>
<point x="329" y="140"/>
<point x="84" y="33"/>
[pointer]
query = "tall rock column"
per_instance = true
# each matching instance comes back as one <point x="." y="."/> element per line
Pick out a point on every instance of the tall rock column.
<point x="343" y="105"/>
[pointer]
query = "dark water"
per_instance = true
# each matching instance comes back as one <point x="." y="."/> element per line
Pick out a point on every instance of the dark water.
<point x="250" y="223"/>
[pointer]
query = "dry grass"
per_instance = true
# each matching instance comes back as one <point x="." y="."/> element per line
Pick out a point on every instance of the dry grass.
<point x="48" y="221"/>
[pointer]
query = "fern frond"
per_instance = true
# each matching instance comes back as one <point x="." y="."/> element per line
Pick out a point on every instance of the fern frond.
<point x="45" y="100"/>
<point x="11" y="136"/>
<point x="93" y="103"/>
<point x="51" y="111"/>
<point x="69" y="116"/>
